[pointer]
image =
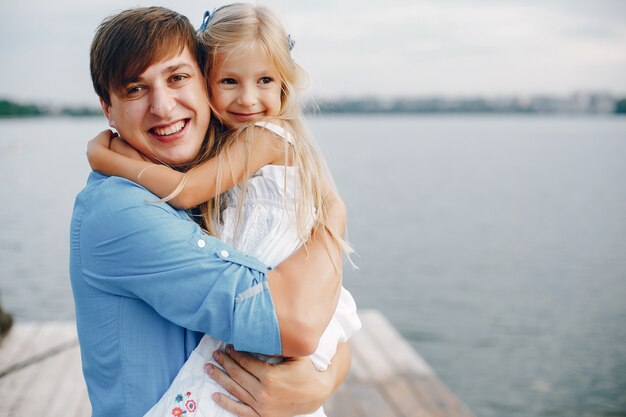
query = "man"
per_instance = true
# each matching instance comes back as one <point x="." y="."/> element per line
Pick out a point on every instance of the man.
<point x="148" y="283"/>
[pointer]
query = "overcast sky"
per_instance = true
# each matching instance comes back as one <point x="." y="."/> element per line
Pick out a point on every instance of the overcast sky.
<point x="357" y="48"/>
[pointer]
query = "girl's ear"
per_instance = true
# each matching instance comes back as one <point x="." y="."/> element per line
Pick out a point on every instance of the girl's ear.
<point x="107" y="113"/>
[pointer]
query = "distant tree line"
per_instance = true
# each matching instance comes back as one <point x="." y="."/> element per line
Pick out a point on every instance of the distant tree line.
<point x="432" y="105"/>
<point x="592" y="104"/>
<point x="10" y="108"/>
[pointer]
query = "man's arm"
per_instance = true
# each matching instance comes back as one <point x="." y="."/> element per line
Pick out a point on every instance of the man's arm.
<point x="131" y="248"/>
<point x="291" y="388"/>
<point x="305" y="287"/>
<point x="136" y="249"/>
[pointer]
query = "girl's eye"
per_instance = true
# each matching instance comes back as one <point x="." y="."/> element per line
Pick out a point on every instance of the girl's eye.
<point x="265" y="80"/>
<point x="229" y="81"/>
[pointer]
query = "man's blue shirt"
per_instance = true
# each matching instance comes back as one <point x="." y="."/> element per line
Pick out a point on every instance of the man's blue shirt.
<point x="148" y="283"/>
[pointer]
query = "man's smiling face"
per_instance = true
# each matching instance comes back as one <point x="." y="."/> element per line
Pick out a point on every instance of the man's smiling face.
<point x="165" y="112"/>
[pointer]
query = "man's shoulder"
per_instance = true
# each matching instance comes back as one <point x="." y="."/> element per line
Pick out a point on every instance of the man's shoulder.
<point x="99" y="185"/>
<point x="114" y="197"/>
<point x="103" y="192"/>
<point x="112" y="213"/>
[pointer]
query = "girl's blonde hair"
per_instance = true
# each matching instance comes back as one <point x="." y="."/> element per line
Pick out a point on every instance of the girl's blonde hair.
<point x="233" y="28"/>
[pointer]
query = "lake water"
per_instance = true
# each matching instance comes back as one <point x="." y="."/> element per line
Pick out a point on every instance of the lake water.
<point x="495" y="244"/>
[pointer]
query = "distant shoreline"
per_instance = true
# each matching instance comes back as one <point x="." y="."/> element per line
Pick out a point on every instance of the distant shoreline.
<point x="592" y="103"/>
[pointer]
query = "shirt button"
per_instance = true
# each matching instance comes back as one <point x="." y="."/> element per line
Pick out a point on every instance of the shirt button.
<point x="201" y="243"/>
<point x="224" y="253"/>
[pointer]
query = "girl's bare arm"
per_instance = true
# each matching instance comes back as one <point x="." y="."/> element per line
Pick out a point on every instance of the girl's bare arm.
<point x="203" y="182"/>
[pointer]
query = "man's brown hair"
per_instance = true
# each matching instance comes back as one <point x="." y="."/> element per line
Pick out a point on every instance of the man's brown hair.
<point x="127" y="43"/>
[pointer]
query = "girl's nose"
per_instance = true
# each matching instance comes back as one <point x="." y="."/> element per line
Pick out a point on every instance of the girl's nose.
<point x="247" y="97"/>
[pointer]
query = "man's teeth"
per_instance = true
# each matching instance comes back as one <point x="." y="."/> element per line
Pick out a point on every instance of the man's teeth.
<point x="164" y="131"/>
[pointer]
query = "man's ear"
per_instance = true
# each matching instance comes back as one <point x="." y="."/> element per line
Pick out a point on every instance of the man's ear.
<point x="107" y="113"/>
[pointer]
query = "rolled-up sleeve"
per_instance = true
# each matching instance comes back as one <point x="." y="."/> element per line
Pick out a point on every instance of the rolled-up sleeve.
<point x="132" y="247"/>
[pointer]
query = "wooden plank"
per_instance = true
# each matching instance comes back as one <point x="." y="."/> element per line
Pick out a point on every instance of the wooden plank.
<point x="34" y="400"/>
<point x="342" y="404"/>
<point x="357" y="367"/>
<point x="71" y="391"/>
<point x="436" y="397"/>
<point x="16" y="388"/>
<point x="405" y="379"/>
<point x="387" y="377"/>
<point x="46" y="339"/>
<point x="392" y="345"/>
<point x="400" y="393"/>
<point x="388" y="357"/>
<point x="15" y="342"/>
<point x="369" y="400"/>
<point x="14" y="382"/>
<point x="68" y="391"/>
<point x="376" y="365"/>
<point x="13" y="385"/>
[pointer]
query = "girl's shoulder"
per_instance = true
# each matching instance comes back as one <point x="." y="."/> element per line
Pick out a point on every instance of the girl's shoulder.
<point x="278" y="127"/>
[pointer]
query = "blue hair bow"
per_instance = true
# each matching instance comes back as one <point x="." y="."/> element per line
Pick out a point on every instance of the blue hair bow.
<point x="205" y="20"/>
<point x="291" y="42"/>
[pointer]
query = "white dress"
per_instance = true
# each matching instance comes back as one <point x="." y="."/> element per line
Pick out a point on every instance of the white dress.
<point x="265" y="229"/>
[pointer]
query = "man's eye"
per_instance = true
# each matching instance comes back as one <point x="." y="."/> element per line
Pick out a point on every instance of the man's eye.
<point x="178" y="77"/>
<point x="266" y="80"/>
<point x="133" y="90"/>
<point x="229" y="81"/>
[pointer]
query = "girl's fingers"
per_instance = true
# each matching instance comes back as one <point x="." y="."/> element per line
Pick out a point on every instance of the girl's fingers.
<point x="235" y="407"/>
<point x="118" y="145"/>
<point x="104" y="137"/>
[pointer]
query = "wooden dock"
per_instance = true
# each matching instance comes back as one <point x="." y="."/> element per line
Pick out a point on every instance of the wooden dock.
<point x="40" y="375"/>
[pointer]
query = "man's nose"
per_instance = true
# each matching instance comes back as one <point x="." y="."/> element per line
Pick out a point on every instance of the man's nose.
<point x="162" y="102"/>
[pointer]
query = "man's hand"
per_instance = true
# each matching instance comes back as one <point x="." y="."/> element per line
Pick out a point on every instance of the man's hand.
<point x="290" y="388"/>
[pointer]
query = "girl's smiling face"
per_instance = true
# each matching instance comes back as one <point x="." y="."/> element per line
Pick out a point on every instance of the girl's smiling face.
<point x="244" y="86"/>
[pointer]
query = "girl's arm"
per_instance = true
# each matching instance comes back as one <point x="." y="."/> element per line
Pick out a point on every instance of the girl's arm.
<point x="112" y="156"/>
<point x="203" y="181"/>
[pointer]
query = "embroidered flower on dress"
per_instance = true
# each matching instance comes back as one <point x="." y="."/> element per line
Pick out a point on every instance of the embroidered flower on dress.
<point x="179" y="398"/>
<point x="177" y="411"/>
<point x="191" y="406"/>
<point x="188" y="393"/>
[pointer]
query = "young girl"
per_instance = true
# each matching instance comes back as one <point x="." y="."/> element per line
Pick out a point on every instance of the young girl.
<point x="267" y="186"/>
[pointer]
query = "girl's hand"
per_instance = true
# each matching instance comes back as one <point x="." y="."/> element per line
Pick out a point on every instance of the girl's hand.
<point x="119" y="145"/>
<point x="98" y="147"/>
<point x="111" y="155"/>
